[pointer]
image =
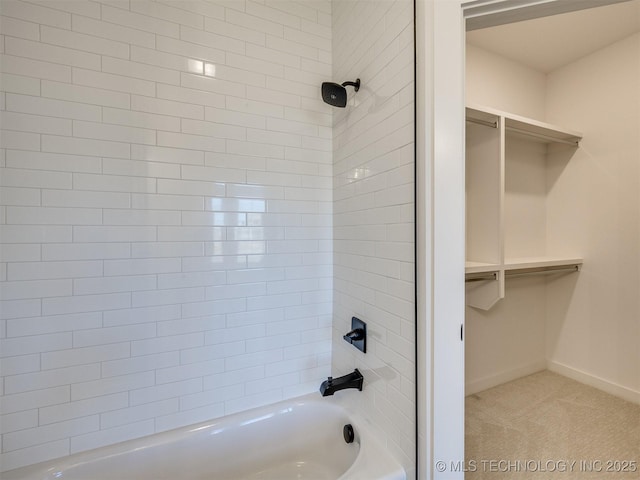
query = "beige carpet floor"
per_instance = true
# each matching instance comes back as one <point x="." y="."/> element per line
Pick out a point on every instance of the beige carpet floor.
<point x="546" y="426"/>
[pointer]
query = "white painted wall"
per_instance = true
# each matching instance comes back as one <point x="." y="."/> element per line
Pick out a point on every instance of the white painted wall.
<point x="495" y="81"/>
<point x="584" y="325"/>
<point x="594" y="334"/>
<point x="165" y="216"/>
<point x="373" y="147"/>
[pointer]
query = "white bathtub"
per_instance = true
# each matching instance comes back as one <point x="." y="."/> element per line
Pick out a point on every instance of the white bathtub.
<point x="296" y="439"/>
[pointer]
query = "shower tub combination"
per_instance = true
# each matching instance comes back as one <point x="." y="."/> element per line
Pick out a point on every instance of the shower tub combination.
<point x="303" y="438"/>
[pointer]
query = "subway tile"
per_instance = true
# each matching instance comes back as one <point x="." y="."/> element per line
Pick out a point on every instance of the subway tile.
<point x="151" y="56"/>
<point x="213" y="174"/>
<point x="254" y="107"/>
<point x="210" y="39"/>
<point x="211" y="397"/>
<point x="19" y="196"/>
<point x="191" y="96"/>
<point x="216" y="307"/>
<point x="88" y="9"/>
<point x="85" y="303"/>
<point x="20" y="308"/>
<point x="136" y="168"/>
<point x="189" y="233"/>
<point x="116" y="133"/>
<point x="215" y="10"/>
<point x="281" y="98"/>
<point x="19" y="84"/>
<point x="53" y="324"/>
<point x="212" y="84"/>
<point x="14" y="27"/>
<point x="49" y="379"/>
<point x="254" y="22"/>
<point x="114" y="368"/>
<point x="230" y="160"/>
<point x="51" y="161"/>
<point x="51" y="53"/>
<point x="139" y="21"/>
<point x="167" y="249"/>
<point x="109" y="81"/>
<point x="113" y="183"/>
<point x="88" y="96"/>
<point x="195" y="324"/>
<point x="236" y="31"/>
<point x="191" y="50"/>
<point x="166" y="154"/>
<point x="102" y="387"/>
<point x="53" y="216"/>
<point x="72" y="198"/>
<point x="265" y="12"/>
<point x="194" y="142"/>
<point x="219" y="130"/>
<point x="235" y="291"/>
<point x="141" y="266"/>
<point x="20" y="402"/>
<point x="156" y="393"/>
<point x="213" y="219"/>
<point x="21" y="252"/>
<point x="209" y="262"/>
<point x="86" y="251"/>
<point x="34" y="344"/>
<point x="167" y="12"/>
<point x="166" y="344"/>
<point x="36" y="13"/>
<point x="166" y="108"/>
<point x="19" y="140"/>
<point x="167" y="202"/>
<point x="167" y="297"/>
<point x="140" y="70"/>
<point x="82" y="408"/>
<point x="109" y="436"/>
<point x="18" y="421"/>
<point x="191" y="370"/>
<point x="129" y="283"/>
<point x="227" y="117"/>
<point x="17" y="290"/>
<point x="191" y="279"/>
<point x="52" y="270"/>
<point x="189" y="187"/>
<point x="141" y="315"/>
<point x="139" y="119"/>
<point x="84" y="146"/>
<point x="26" y="234"/>
<point x="112" y="31"/>
<point x="35" y="68"/>
<point x="131" y="415"/>
<point x="52" y="108"/>
<point x="253" y="149"/>
<point x="49" y="433"/>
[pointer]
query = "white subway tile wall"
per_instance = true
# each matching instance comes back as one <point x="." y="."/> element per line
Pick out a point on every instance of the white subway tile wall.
<point x="165" y="215"/>
<point x="373" y="149"/>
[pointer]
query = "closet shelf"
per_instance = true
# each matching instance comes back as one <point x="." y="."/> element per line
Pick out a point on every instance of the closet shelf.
<point x="477" y="271"/>
<point x="534" y="129"/>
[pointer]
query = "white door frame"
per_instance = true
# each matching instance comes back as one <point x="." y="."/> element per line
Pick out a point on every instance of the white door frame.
<point x="440" y="216"/>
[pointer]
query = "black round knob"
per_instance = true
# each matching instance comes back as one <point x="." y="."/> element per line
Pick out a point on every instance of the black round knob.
<point x="348" y="433"/>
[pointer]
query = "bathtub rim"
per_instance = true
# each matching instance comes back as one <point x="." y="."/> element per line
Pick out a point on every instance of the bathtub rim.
<point x="371" y="462"/>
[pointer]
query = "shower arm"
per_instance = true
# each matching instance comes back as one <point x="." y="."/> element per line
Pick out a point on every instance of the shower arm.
<point x="355" y="84"/>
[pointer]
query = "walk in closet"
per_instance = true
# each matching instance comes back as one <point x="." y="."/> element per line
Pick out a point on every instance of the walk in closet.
<point x="553" y="201"/>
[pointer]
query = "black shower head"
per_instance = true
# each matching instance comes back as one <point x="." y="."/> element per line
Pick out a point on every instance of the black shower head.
<point x="335" y="94"/>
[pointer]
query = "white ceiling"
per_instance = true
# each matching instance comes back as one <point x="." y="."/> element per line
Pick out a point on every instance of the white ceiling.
<point x="550" y="42"/>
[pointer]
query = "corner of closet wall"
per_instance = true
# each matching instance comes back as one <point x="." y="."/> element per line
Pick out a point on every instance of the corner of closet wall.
<point x="498" y="82"/>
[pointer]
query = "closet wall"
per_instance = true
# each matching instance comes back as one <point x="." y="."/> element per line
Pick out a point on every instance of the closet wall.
<point x="583" y="325"/>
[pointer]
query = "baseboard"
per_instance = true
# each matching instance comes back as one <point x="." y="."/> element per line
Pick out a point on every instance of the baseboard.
<point x="481" y="384"/>
<point x="596" y="382"/>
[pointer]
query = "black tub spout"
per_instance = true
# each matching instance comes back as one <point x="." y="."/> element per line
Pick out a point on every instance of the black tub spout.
<point x="351" y="380"/>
